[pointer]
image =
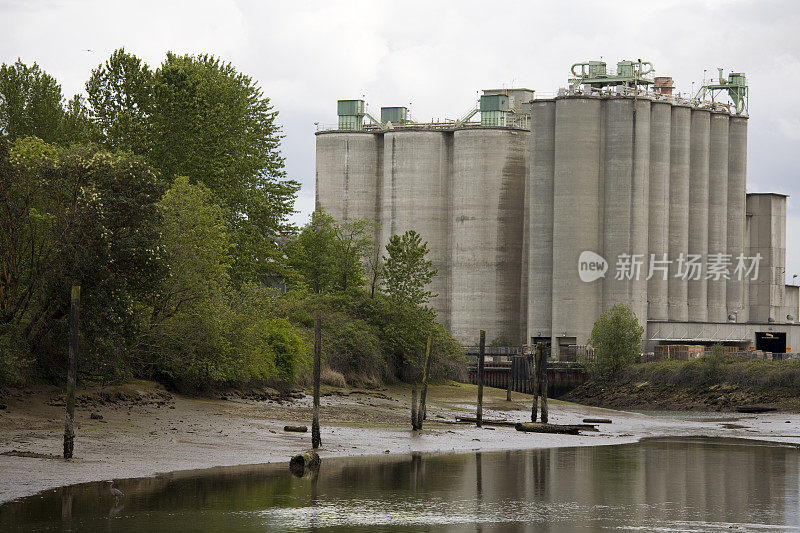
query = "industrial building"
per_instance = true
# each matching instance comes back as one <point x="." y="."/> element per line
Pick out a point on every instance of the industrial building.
<point x="549" y="210"/>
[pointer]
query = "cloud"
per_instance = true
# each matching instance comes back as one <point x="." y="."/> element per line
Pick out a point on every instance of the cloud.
<point x="436" y="55"/>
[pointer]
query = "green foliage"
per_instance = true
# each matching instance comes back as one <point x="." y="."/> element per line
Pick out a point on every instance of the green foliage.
<point x="196" y="243"/>
<point x="121" y="97"/>
<point x="30" y="102"/>
<point x="716" y="369"/>
<point x="617" y="341"/>
<point x="406" y="272"/>
<point x="326" y="255"/>
<point x="15" y="360"/>
<point x="198" y="117"/>
<point x="205" y="331"/>
<point x="214" y="125"/>
<point x="77" y="125"/>
<point x="76" y="215"/>
<point x="373" y="339"/>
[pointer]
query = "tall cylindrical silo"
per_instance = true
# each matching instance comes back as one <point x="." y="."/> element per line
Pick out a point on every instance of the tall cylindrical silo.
<point x="576" y="216"/>
<point x="737" y="303"/>
<point x="718" y="218"/>
<point x="640" y="202"/>
<point x="331" y="172"/>
<point x="658" y="210"/>
<point x="697" y="286"/>
<point x="617" y="201"/>
<point x="415" y="196"/>
<point x="489" y="171"/>
<point x="540" y="216"/>
<point x="680" y="128"/>
<point x="743" y="316"/>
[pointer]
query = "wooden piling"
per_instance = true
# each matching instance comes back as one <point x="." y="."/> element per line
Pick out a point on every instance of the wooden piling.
<point x="423" y="395"/>
<point x="72" y="372"/>
<point x="481" y="357"/>
<point x="316" y="440"/>
<point x="510" y="379"/>
<point x="540" y="381"/>
<point x="543" y="381"/>
<point x="414" y="406"/>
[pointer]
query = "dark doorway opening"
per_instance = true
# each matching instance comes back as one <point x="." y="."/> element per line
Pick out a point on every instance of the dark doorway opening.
<point x="771" y="342"/>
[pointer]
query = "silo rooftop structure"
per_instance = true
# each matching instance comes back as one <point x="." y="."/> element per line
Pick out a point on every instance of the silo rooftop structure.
<point x="543" y="212"/>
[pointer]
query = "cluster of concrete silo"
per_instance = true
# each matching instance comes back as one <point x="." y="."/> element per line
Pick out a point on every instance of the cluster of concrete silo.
<point x="461" y="189"/>
<point x="606" y="167"/>
<point x="638" y="177"/>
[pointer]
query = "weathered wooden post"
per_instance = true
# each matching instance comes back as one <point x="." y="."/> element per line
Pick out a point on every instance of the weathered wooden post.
<point x="540" y="381"/>
<point x="481" y="357"/>
<point x="315" y="436"/>
<point x="423" y="395"/>
<point x="414" y="405"/>
<point x="510" y="378"/>
<point x="543" y="381"/>
<point x="72" y="372"/>
<point x="535" y="380"/>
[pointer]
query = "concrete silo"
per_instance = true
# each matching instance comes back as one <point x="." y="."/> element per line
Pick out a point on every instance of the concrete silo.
<point x="658" y="223"/>
<point x="539" y="195"/>
<point x="487" y="191"/>
<point x="678" y="210"/>
<point x="415" y="196"/>
<point x="611" y="169"/>
<point x="718" y="216"/>
<point x="736" y="295"/>
<point x="697" y="286"/>
<point x="625" y="218"/>
<point x="577" y="215"/>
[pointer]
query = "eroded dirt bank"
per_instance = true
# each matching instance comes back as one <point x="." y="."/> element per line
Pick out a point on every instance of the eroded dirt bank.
<point x="723" y="397"/>
<point x="145" y="430"/>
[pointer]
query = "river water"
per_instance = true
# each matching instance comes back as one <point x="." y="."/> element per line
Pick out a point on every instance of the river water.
<point x="654" y="485"/>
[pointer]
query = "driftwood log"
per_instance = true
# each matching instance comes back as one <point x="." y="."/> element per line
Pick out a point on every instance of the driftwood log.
<point x="486" y="421"/>
<point x="296" y="429"/>
<point x="597" y="420"/>
<point x="304" y="463"/>
<point x="564" y="429"/>
<point x="755" y="409"/>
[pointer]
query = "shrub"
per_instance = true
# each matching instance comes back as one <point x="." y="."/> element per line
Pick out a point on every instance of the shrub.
<point x="617" y="341"/>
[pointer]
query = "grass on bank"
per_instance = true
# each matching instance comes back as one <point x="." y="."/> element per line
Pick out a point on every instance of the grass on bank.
<point x="716" y="369"/>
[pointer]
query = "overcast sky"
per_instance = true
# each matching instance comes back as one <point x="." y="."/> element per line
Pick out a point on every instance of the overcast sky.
<point x="436" y="55"/>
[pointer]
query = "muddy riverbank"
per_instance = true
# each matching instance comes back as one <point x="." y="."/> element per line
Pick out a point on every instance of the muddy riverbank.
<point x="145" y="430"/>
<point x="722" y="397"/>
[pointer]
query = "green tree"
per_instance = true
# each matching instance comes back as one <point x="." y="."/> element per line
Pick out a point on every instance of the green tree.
<point x="30" y="102"/>
<point x="406" y="272"/>
<point x="214" y="125"/>
<point x="121" y="99"/>
<point x="76" y="215"/>
<point x="312" y="255"/>
<point x="617" y="341"/>
<point x="205" y="332"/>
<point x="77" y="125"/>
<point x="353" y="245"/>
<point x="326" y="255"/>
